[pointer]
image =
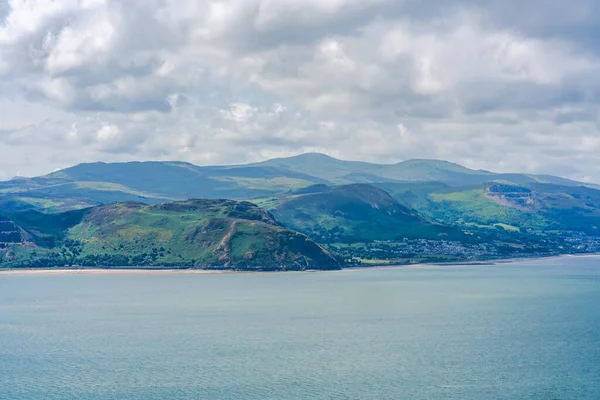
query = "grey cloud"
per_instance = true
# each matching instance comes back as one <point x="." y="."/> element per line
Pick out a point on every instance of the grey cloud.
<point x="489" y="84"/>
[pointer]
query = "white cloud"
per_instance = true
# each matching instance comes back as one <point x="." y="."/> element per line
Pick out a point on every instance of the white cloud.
<point x="240" y="80"/>
<point x="108" y="133"/>
<point x="239" y="112"/>
<point x="78" y="45"/>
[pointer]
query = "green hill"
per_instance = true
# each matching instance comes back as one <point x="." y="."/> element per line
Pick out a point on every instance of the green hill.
<point x="195" y="233"/>
<point x="352" y="213"/>
<point x="184" y="180"/>
<point x="86" y="185"/>
<point x="533" y="207"/>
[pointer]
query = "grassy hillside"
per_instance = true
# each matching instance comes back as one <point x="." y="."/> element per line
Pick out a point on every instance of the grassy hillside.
<point x="73" y="195"/>
<point x="352" y="213"/>
<point x="184" y="180"/>
<point x="530" y="207"/>
<point x="87" y="185"/>
<point x="194" y="233"/>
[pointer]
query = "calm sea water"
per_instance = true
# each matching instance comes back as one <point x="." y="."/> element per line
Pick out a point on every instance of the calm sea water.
<point x="527" y="330"/>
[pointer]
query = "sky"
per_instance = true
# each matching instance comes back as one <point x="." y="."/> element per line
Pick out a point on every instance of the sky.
<point x="502" y="85"/>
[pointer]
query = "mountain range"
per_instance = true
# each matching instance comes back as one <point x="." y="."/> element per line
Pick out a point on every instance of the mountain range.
<point x="99" y="183"/>
<point x="337" y="204"/>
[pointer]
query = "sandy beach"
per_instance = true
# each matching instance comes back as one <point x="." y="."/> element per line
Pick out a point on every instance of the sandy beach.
<point x="162" y="271"/>
<point x="107" y="271"/>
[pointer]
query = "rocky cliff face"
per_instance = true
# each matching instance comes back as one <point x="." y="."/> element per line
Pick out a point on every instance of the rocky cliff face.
<point x="11" y="233"/>
<point x="517" y="197"/>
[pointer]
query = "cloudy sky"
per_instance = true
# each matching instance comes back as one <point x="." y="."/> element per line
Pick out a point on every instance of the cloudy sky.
<point x="504" y="85"/>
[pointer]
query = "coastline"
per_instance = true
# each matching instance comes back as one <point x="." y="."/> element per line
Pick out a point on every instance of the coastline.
<point x="191" y="271"/>
<point x="112" y="271"/>
<point x="498" y="261"/>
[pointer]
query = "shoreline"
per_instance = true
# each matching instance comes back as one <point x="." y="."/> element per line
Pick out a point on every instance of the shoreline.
<point x="483" y="263"/>
<point x="191" y="271"/>
<point x="111" y="271"/>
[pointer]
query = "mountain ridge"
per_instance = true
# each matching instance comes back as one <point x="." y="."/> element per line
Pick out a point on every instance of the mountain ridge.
<point x="89" y="184"/>
<point x="197" y="233"/>
<point x="304" y="157"/>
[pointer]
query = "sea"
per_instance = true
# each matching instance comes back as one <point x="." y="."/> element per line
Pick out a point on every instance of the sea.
<point x="520" y="330"/>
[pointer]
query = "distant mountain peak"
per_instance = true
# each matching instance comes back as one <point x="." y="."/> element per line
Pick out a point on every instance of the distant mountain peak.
<point x="18" y="178"/>
<point x="311" y="156"/>
<point x="315" y="155"/>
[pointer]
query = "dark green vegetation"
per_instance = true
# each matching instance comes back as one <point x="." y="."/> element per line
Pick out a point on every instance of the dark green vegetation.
<point x="416" y="210"/>
<point x="195" y="233"/>
<point x="353" y="213"/>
